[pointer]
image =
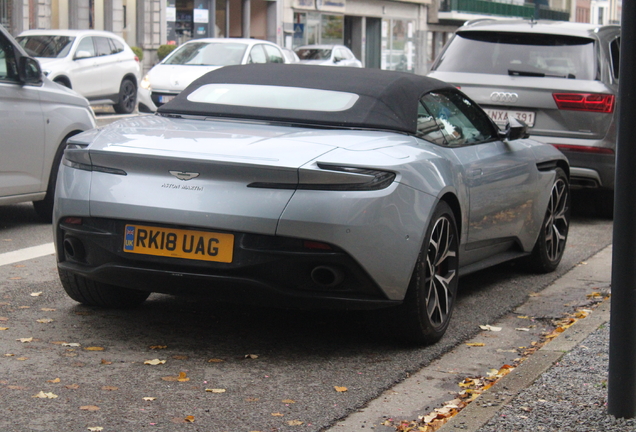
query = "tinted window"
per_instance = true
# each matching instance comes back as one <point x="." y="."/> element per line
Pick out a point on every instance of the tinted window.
<point x="520" y="54"/>
<point x="615" y="51"/>
<point x="46" y="46"/>
<point x="313" y="54"/>
<point x="427" y="127"/>
<point x="86" y="47"/>
<point x="459" y="119"/>
<point x="257" y="55"/>
<point x="116" y="46"/>
<point x="207" y="54"/>
<point x="8" y="66"/>
<point x="103" y="46"/>
<point x="273" y="54"/>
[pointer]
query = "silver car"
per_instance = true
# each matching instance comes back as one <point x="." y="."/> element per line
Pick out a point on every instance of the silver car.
<point x="305" y="185"/>
<point x="560" y="78"/>
<point x="38" y="117"/>
<point x="327" y="55"/>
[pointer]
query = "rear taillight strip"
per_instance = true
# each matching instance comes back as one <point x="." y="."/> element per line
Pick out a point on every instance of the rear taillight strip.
<point x="584" y="149"/>
<point x="594" y="102"/>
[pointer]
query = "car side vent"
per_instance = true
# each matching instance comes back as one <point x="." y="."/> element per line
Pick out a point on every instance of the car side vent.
<point x="547" y="166"/>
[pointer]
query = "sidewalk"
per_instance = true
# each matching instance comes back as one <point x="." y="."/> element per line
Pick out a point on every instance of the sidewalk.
<point x="560" y="387"/>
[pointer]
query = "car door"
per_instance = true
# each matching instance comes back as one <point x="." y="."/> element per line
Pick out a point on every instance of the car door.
<point x="257" y="55"/>
<point x="87" y="78"/>
<point x="500" y="177"/>
<point x="107" y="65"/>
<point x="21" y="130"/>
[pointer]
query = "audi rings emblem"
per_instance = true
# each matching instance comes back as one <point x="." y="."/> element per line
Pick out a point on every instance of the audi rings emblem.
<point x="504" y="97"/>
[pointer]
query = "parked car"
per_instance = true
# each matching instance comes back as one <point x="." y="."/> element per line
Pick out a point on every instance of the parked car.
<point x="290" y="56"/>
<point x="560" y="78"/>
<point x="199" y="56"/>
<point x="38" y="117"/>
<point x="98" y="65"/>
<point x="327" y="55"/>
<point x="290" y="184"/>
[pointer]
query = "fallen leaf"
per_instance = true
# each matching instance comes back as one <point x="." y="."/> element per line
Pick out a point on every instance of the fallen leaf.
<point x="56" y="380"/>
<point x="22" y="358"/>
<point x="294" y="422"/>
<point x="47" y="310"/>
<point x="96" y="429"/>
<point x="106" y="362"/>
<point x="277" y="414"/>
<point x="45" y="320"/>
<point x="72" y="344"/>
<point x="25" y="340"/>
<point x="9" y="355"/>
<point x="155" y="347"/>
<point x="180" y="357"/>
<point x="149" y="398"/>
<point x="522" y="329"/>
<point x="89" y="408"/>
<point x="523" y="317"/>
<point x="211" y="390"/>
<point x="490" y="328"/>
<point x="110" y="388"/>
<point x="16" y="278"/>
<point x="476" y="344"/>
<point x="35" y="294"/>
<point x="250" y="399"/>
<point x="189" y="419"/>
<point x="14" y="387"/>
<point x="24" y="307"/>
<point x="154" y="362"/>
<point x="182" y="377"/>
<point x="251" y="356"/>
<point x="215" y="360"/>
<point x="4" y="328"/>
<point x="340" y="389"/>
<point x="72" y="386"/>
<point x="288" y="401"/>
<point x="43" y="395"/>
<point x="94" y="348"/>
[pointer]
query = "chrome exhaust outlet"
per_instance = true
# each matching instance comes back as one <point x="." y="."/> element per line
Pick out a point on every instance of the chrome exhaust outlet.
<point x="327" y="276"/>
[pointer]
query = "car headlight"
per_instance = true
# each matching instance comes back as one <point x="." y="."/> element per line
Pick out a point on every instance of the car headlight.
<point x="145" y="83"/>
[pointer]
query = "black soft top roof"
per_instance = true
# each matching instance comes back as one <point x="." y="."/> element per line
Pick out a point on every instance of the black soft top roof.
<point x="387" y="99"/>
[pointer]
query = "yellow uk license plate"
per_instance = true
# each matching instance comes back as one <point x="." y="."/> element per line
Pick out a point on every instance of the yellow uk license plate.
<point x="177" y="243"/>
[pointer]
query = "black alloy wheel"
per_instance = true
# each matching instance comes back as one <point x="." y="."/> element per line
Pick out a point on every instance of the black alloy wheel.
<point x="127" y="97"/>
<point x="550" y="246"/>
<point x="428" y="306"/>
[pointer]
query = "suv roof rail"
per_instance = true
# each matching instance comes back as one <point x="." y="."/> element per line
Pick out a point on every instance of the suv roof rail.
<point x="476" y="20"/>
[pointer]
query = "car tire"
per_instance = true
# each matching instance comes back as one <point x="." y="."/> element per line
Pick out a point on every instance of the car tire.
<point x="548" y="250"/>
<point x="424" y="315"/>
<point x="44" y="208"/>
<point x="63" y="82"/>
<point x="93" y="293"/>
<point x="127" y="97"/>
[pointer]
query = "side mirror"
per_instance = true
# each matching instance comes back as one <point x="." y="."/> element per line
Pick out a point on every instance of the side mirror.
<point x="29" y="70"/>
<point x="82" y="55"/>
<point x="515" y="129"/>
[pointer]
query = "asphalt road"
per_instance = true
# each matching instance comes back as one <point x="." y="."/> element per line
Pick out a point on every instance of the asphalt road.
<point x="227" y="367"/>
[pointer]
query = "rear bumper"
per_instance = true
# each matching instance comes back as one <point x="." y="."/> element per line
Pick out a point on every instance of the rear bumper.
<point x="588" y="169"/>
<point x="265" y="269"/>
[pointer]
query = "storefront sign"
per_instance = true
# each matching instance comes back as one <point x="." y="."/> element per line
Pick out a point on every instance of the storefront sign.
<point x="305" y="4"/>
<point x="331" y="5"/>
<point x="201" y="16"/>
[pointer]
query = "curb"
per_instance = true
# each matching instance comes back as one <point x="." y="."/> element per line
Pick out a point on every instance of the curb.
<point x="488" y="404"/>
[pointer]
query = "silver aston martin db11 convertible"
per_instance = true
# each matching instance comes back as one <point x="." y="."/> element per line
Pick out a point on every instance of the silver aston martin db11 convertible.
<point x="305" y="185"/>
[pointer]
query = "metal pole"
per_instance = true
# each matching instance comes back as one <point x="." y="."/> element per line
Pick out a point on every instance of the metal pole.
<point x="622" y="349"/>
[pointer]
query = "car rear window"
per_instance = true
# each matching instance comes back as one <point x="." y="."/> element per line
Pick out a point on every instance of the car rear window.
<point x="277" y="97"/>
<point x="51" y="46"/>
<point x="207" y="54"/>
<point x="520" y="54"/>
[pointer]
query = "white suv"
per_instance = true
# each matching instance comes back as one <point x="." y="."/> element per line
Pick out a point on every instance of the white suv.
<point x="98" y="65"/>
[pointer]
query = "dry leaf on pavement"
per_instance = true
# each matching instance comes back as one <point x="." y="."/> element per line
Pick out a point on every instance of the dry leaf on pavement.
<point x="45" y="320"/>
<point x="35" y="294"/>
<point x="189" y="419"/>
<point x="294" y="422"/>
<point x="340" y="389"/>
<point x="154" y="362"/>
<point x="149" y="398"/>
<point x="277" y="414"/>
<point x="56" y="380"/>
<point x="211" y="390"/>
<point x="89" y="408"/>
<point x="43" y="395"/>
<point x="476" y="344"/>
<point x="25" y="340"/>
<point x="95" y="429"/>
<point x="94" y="348"/>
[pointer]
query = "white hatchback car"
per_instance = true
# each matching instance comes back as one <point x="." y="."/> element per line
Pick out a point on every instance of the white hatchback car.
<point x="327" y="55"/>
<point x="38" y="117"/>
<point x="98" y="65"/>
<point x="198" y="57"/>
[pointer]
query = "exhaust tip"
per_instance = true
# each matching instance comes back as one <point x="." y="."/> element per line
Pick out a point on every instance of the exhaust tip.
<point x="74" y="248"/>
<point x="327" y="276"/>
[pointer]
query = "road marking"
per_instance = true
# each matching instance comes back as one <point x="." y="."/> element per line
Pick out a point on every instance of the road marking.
<point x="26" y="254"/>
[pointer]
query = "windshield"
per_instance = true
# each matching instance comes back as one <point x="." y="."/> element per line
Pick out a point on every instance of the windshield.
<point x="314" y="53"/>
<point x="277" y="97"/>
<point x="49" y="46"/>
<point x="520" y="54"/>
<point x="207" y="54"/>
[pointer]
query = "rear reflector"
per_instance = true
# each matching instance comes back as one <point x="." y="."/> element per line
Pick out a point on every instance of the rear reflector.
<point x="73" y="220"/>
<point x="584" y="149"/>
<point x="308" y="244"/>
<point x="595" y="102"/>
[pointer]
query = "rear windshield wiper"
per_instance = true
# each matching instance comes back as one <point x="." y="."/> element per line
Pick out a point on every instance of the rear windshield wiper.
<point x="538" y="74"/>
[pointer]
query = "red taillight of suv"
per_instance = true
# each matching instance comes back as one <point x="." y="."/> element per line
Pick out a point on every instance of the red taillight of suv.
<point x="595" y="102"/>
<point x="584" y="149"/>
